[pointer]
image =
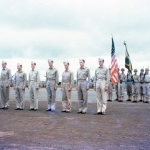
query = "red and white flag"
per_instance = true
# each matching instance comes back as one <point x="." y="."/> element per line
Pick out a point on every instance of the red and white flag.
<point x="114" y="65"/>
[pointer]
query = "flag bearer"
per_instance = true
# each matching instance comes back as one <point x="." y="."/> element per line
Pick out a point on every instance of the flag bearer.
<point x="121" y="85"/>
<point x="129" y="81"/>
<point x="147" y="85"/>
<point x="135" y="86"/>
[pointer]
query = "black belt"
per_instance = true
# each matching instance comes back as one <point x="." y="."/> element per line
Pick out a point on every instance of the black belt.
<point x="141" y="82"/>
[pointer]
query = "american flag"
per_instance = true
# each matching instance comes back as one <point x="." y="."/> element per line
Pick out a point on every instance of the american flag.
<point x="114" y="65"/>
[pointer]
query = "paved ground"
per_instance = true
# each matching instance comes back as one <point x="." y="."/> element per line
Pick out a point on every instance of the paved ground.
<point x="125" y="126"/>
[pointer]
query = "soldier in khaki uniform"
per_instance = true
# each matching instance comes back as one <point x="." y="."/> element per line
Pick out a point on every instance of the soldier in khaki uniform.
<point x="135" y="86"/>
<point x="121" y="85"/>
<point x="66" y="88"/>
<point x="101" y="82"/>
<point x="142" y="86"/>
<point x="147" y="85"/>
<point x="116" y="87"/>
<point x="110" y="89"/>
<point x="34" y="82"/>
<point x="19" y="87"/>
<point x="5" y="85"/>
<point x="52" y="79"/>
<point x="83" y="86"/>
<point x="129" y="81"/>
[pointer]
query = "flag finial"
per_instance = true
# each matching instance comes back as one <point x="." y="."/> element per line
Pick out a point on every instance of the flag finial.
<point x="125" y="43"/>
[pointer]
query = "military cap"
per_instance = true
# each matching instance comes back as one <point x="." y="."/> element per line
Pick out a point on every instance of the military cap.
<point x="135" y="70"/>
<point x="66" y="63"/>
<point x="50" y="60"/>
<point x="19" y="64"/>
<point x="32" y="62"/>
<point x="122" y="69"/>
<point x="147" y="69"/>
<point x="4" y="62"/>
<point x="100" y="59"/>
<point x="142" y="70"/>
<point x="81" y="60"/>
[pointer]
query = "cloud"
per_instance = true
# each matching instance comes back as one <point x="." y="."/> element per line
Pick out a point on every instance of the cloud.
<point x="69" y="30"/>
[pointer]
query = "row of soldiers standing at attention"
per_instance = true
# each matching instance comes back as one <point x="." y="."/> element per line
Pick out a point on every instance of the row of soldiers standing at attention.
<point x="135" y="85"/>
<point x="101" y="82"/>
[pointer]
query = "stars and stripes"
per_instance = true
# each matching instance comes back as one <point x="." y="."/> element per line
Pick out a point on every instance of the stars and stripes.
<point x="114" y="65"/>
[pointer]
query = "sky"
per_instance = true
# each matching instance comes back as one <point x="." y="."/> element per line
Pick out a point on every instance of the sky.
<point x="69" y="30"/>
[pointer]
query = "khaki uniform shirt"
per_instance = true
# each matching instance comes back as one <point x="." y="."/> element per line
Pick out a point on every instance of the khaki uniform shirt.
<point x="122" y="77"/>
<point x="83" y="74"/>
<point x="6" y="75"/>
<point x="52" y="74"/>
<point x="136" y="78"/>
<point x="67" y="77"/>
<point x="141" y="77"/>
<point x="147" y="78"/>
<point x="20" y="79"/>
<point x="34" y="75"/>
<point x="102" y="73"/>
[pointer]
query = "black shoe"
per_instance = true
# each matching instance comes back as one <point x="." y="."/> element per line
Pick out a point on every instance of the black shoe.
<point x="48" y="109"/>
<point x="5" y="107"/>
<point x="63" y="111"/>
<point x="31" y="109"/>
<point x="79" y="112"/>
<point x="98" y="113"/>
<point x="120" y="101"/>
<point x="83" y="112"/>
<point x="103" y="113"/>
<point x="128" y="100"/>
<point x="2" y="108"/>
<point x="140" y="100"/>
<point x="67" y="111"/>
<point x="35" y="109"/>
<point x="21" y="109"/>
<point x="17" y="109"/>
<point x="146" y="101"/>
<point x="116" y="99"/>
<point x="110" y="100"/>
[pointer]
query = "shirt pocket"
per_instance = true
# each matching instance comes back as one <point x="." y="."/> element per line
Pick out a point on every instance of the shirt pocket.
<point x="51" y="74"/>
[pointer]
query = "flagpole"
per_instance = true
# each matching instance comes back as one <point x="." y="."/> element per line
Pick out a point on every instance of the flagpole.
<point x="125" y="45"/>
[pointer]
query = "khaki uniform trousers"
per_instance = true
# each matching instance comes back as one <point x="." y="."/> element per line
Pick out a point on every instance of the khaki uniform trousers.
<point x="129" y="88"/>
<point x="101" y="95"/>
<point x="110" y="88"/>
<point x="4" y="93"/>
<point x="19" y="93"/>
<point x="121" y="89"/>
<point x="136" y="89"/>
<point x="51" y="94"/>
<point x="82" y="95"/>
<point x="142" y="89"/>
<point x="33" y="95"/>
<point x="66" y="97"/>
<point x="147" y="90"/>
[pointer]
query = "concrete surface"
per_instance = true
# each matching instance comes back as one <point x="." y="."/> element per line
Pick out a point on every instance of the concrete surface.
<point x="126" y="126"/>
